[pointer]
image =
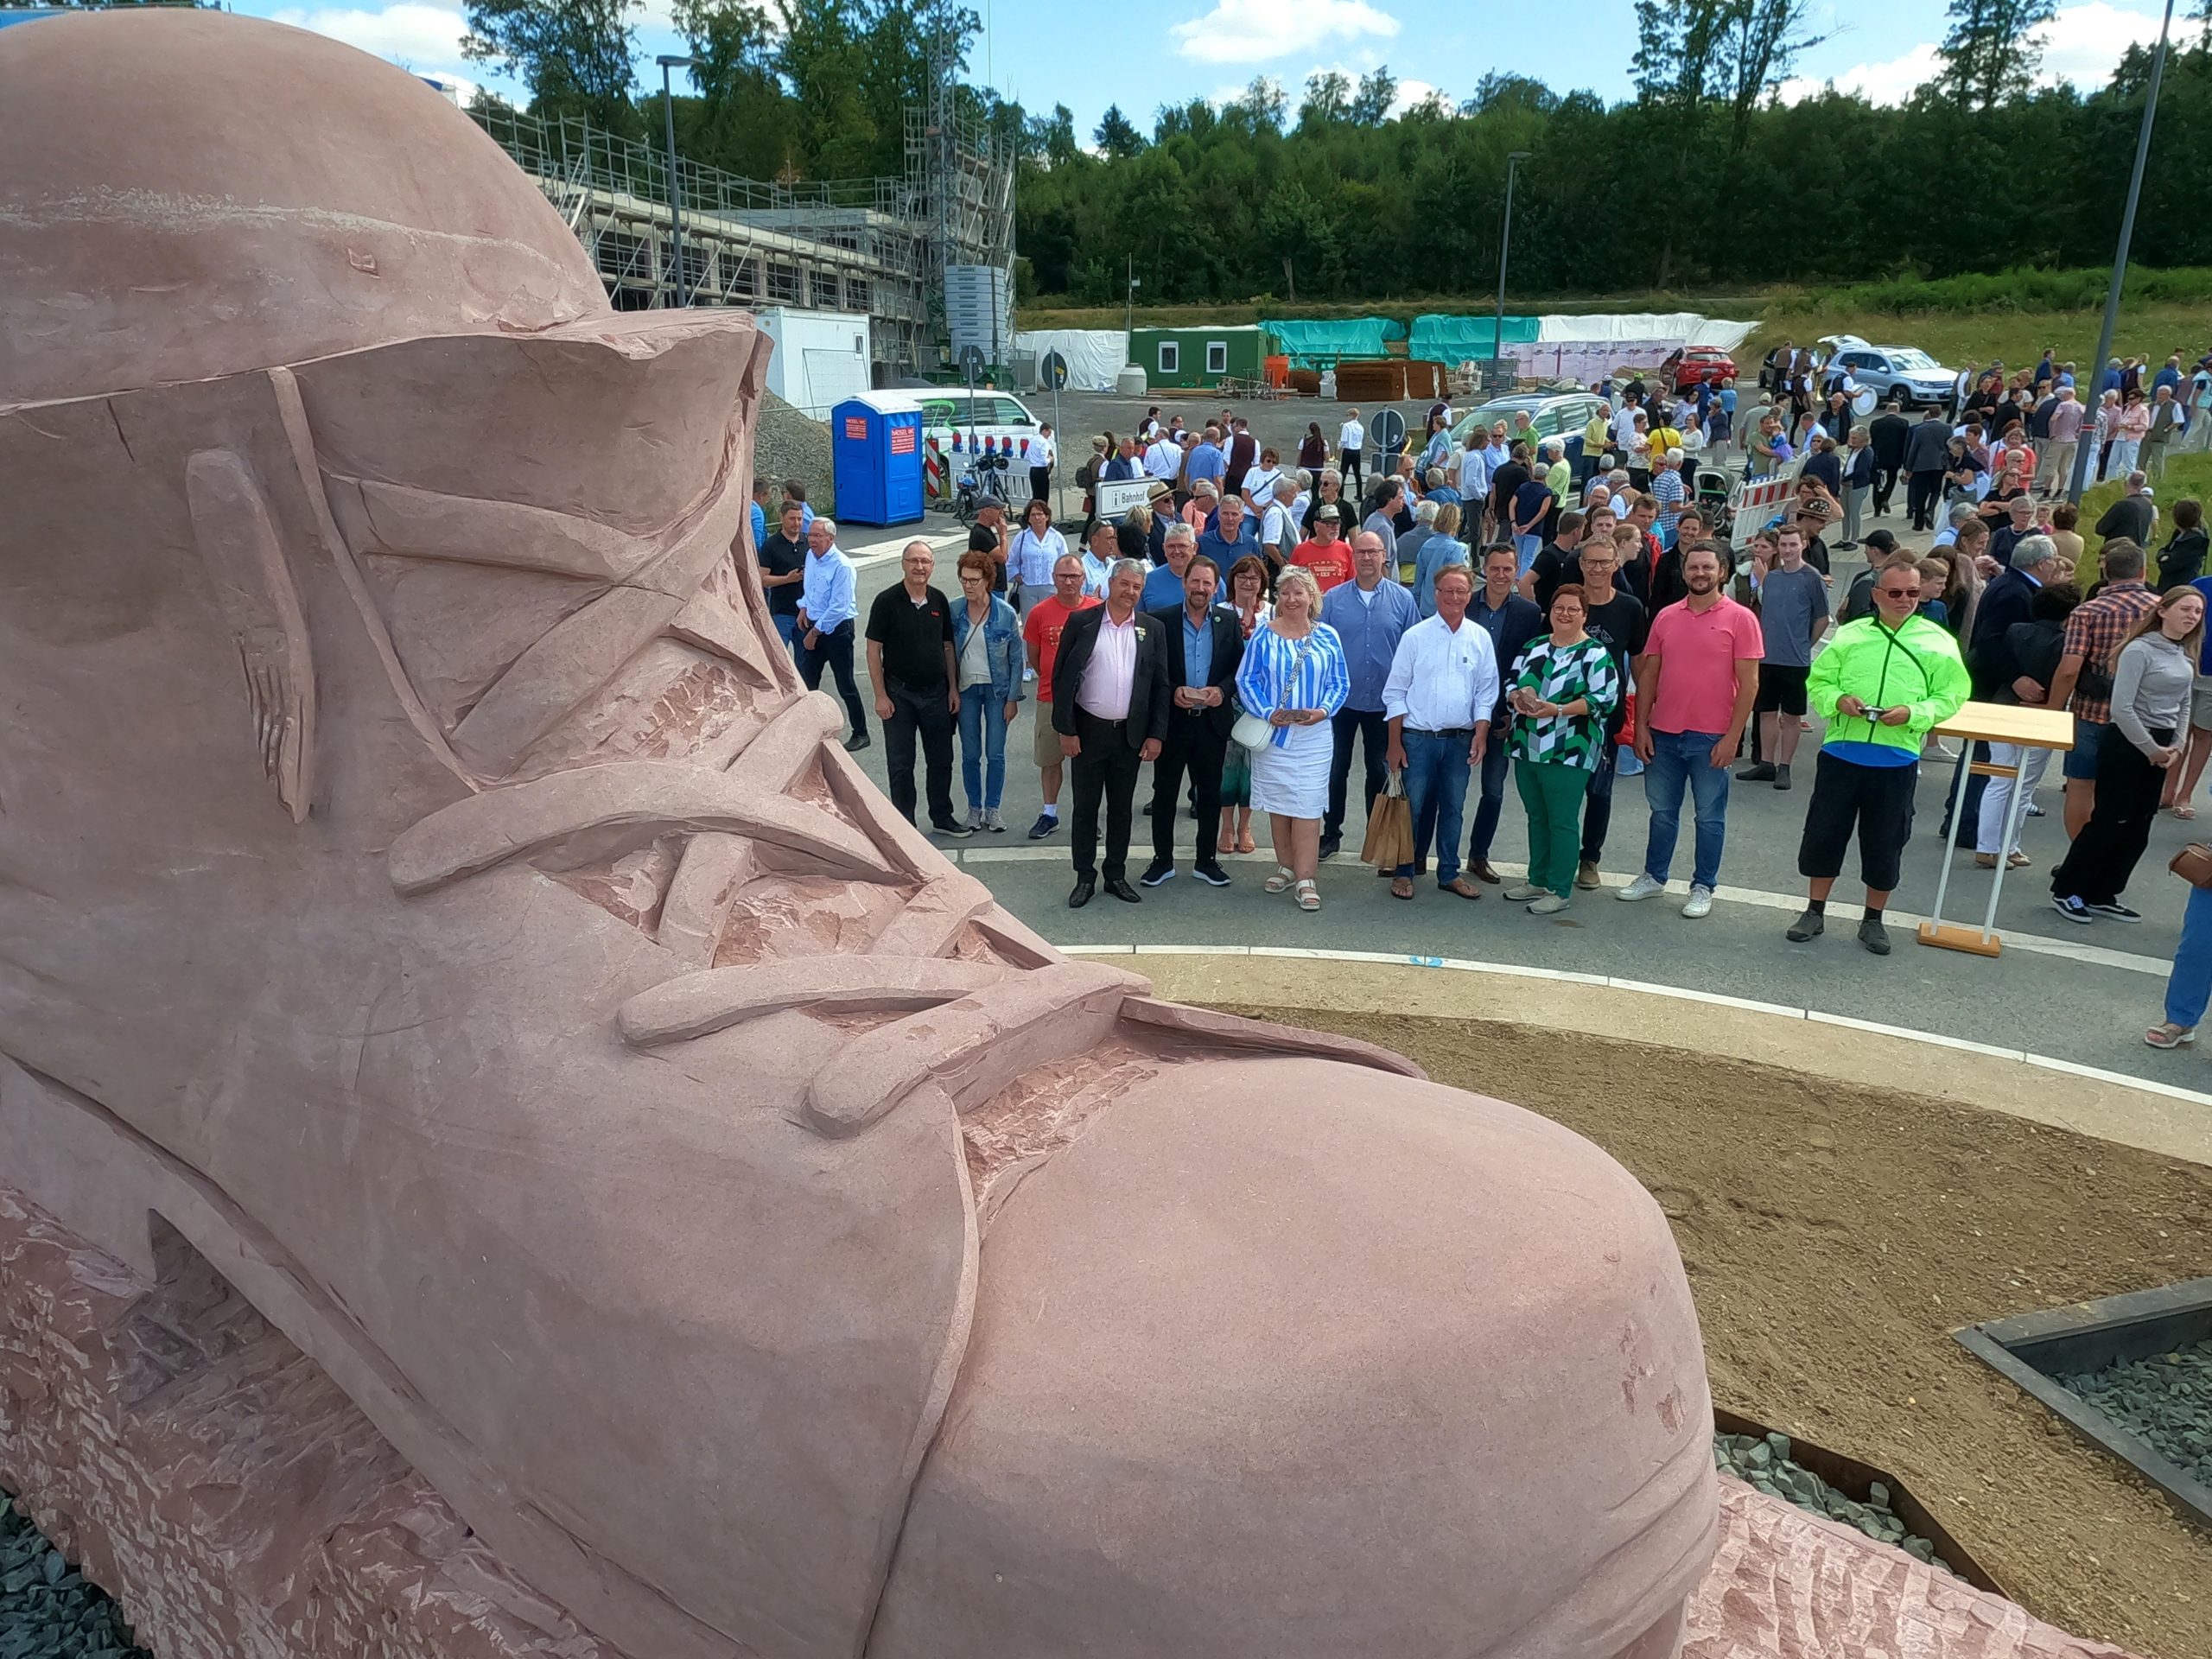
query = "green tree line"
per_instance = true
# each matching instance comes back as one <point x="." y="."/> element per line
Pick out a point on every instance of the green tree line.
<point x="1703" y="179"/>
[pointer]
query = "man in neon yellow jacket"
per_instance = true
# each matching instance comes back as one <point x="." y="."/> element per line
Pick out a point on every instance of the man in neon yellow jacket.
<point x="1882" y="683"/>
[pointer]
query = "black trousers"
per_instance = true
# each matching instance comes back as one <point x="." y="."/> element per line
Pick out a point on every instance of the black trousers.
<point x="835" y="652"/>
<point x="1106" y="767"/>
<point x="1876" y="801"/>
<point x="1041" y="483"/>
<point x="1885" y="485"/>
<point x="2103" y="856"/>
<point x="925" y="711"/>
<point x="1348" y="724"/>
<point x="1923" y="493"/>
<point x="1348" y="469"/>
<point x="1191" y="745"/>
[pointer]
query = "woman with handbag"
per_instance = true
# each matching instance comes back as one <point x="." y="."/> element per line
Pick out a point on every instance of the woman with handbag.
<point x="1293" y="680"/>
<point x="1561" y="688"/>
<point x="2151" y="684"/>
<point x="1247" y="587"/>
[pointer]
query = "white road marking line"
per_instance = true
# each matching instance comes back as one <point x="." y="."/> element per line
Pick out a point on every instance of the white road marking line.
<point x="1458" y="965"/>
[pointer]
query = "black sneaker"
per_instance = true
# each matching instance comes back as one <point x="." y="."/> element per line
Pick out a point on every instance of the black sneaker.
<point x="1046" y="822"/>
<point x="952" y="827"/>
<point x="1757" y="773"/>
<point x="1157" y="870"/>
<point x="1810" y="926"/>
<point x="2073" y="910"/>
<point x="2116" y="911"/>
<point x="1330" y="846"/>
<point x="1874" y="936"/>
<point x="1212" y="873"/>
<point x="856" y="742"/>
<point x="1781" y="777"/>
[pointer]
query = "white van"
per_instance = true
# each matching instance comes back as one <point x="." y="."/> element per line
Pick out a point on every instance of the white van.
<point x="997" y="419"/>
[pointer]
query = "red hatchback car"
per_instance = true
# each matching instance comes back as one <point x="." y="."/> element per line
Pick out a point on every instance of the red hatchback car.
<point x="1685" y="369"/>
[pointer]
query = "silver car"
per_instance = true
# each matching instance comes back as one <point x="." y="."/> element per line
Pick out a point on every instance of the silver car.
<point x="1551" y="415"/>
<point x="1904" y="371"/>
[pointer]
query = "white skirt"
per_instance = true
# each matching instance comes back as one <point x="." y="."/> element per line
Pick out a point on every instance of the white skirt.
<point x="1293" y="780"/>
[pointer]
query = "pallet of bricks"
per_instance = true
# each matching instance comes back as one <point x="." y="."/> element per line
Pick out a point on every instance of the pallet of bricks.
<point x="1392" y="381"/>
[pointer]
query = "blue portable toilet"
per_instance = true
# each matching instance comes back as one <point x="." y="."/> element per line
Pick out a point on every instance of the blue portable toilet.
<point x="875" y="444"/>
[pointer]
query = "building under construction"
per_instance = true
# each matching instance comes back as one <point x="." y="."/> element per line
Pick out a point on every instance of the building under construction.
<point x="877" y="246"/>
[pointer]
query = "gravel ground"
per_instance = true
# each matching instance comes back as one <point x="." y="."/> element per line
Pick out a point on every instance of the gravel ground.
<point x="1836" y="1234"/>
<point x="1766" y="1465"/>
<point x="787" y="444"/>
<point x="46" y="1609"/>
<point x="2165" y="1400"/>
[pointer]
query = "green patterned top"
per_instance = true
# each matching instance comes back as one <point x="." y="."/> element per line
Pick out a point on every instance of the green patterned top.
<point x="1560" y="674"/>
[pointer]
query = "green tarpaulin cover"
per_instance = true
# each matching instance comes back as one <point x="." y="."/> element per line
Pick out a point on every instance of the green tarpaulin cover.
<point x="1317" y="343"/>
<point x="1438" y="339"/>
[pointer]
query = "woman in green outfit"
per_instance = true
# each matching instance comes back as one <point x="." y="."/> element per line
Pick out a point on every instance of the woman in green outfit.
<point x="1561" y="688"/>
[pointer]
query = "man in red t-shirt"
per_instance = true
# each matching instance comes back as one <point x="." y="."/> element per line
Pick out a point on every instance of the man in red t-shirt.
<point x="1041" y="632"/>
<point x="1694" y="683"/>
<point x="1328" y="555"/>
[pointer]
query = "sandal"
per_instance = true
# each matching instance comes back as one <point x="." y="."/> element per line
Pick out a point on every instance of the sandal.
<point x="1401" y="886"/>
<point x="2169" y="1035"/>
<point x="1309" y="896"/>
<point x="1225" y="842"/>
<point x="1281" y="880"/>
<point x="1246" y="844"/>
<point x="2183" y="809"/>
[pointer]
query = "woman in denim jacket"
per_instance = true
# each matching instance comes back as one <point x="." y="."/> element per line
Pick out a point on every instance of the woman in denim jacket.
<point x="987" y="645"/>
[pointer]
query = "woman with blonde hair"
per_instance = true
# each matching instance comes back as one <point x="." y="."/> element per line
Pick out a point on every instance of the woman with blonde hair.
<point x="1295" y="677"/>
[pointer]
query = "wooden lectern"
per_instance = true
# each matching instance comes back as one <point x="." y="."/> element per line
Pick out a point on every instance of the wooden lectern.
<point x="2022" y="727"/>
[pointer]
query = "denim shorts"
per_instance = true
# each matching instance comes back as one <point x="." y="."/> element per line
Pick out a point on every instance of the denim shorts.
<point x="2081" y="760"/>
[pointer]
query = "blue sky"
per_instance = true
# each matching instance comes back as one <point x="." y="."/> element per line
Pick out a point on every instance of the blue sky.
<point x="1043" y="52"/>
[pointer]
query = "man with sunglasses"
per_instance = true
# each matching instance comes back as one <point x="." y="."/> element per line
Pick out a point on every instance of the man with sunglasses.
<point x="1882" y="684"/>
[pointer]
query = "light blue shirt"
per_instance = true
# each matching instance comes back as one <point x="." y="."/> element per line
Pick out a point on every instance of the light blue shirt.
<point x="1207" y="461"/>
<point x="1198" y="648"/>
<point x="1369" y="626"/>
<point x="1163" y="590"/>
<point x="759" y="526"/>
<point x="828" y="593"/>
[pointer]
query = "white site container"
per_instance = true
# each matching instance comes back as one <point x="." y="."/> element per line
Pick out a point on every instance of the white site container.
<point x="821" y="357"/>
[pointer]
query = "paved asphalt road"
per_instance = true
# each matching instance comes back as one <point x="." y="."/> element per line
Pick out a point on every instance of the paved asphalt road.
<point x="2078" y="994"/>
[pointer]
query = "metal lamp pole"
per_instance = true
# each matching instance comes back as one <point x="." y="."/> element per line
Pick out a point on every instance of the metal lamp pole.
<point x="1513" y="160"/>
<point x="675" y="190"/>
<point x="2120" y="257"/>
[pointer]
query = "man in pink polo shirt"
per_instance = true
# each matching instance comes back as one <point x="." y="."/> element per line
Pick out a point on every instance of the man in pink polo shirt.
<point x="1693" y="689"/>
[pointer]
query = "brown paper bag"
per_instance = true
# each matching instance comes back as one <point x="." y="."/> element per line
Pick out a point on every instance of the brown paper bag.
<point x="1390" y="828"/>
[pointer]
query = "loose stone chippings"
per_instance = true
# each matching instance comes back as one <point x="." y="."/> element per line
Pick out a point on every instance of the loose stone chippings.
<point x="1766" y="1463"/>
<point x="2165" y="1400"/>
<point x="47" y="1609"/>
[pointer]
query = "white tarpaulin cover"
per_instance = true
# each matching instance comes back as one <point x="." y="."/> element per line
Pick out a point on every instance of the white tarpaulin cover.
<point x="1094" y="355"/>
<point x="1674" y="328"/>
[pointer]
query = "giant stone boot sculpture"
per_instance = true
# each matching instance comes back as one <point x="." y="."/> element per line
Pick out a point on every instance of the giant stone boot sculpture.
<point x="425" y="886"/>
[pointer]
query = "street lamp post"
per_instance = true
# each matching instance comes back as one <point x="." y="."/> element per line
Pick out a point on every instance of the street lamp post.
<point x="675" y="190"/>
<point x="2120" y="258"/>
<point x="1513" y="160"/>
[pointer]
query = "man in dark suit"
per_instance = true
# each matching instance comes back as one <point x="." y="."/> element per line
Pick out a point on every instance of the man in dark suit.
<point x="1991" y="665"/>
<point x="1203" y="647"/>
<point x="1885" y="435"/>
<point x="1110" y="706"/>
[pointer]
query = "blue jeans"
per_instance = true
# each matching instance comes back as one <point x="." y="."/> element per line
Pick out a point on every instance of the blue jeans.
<point x="1497" y="767"/>
<point x="2191" y="987"/>
<point x="786" y="629"/>
<point x="1527" y="548"/>
<point x="1680" y="761"/>
<point x="983" y="739"/>
<point x="1436" y="793"/>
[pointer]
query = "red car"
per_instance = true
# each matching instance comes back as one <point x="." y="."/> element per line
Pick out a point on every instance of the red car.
<point x="1685" y="369"/>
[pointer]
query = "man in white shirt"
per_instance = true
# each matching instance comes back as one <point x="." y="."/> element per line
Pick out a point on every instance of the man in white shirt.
<point x="1040" y="463"/>
<point x="1351" y="445"/>
<point x="828" y="602"/>
<point x="1442" y="691"/>
<point x="1163" y="458"/>
<point x="1279" y="525"/>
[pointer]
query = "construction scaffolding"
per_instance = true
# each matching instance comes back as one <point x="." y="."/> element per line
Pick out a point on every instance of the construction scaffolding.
<point x="860" y="245"/>
<point x="960" y="176"/>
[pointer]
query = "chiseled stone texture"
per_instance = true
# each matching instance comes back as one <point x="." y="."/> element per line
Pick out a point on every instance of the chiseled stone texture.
<point x="208" y="1474"/>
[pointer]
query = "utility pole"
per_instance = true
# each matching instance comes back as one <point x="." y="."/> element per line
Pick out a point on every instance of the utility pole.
<point x="1130" y="300"/>
<point x="1504" y="248"/>
<point x="675" y="188"/>
<point x="2120" y="258"/>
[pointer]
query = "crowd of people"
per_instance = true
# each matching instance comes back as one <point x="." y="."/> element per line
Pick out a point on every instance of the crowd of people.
<point x="1490" y="609"/>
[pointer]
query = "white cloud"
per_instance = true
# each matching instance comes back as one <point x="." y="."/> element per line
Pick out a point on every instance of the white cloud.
<point x="1410" y="93"/>
<point x="1258" y="31"/>
<point x="2082" y="44"/>
<point x="421" y="35"/>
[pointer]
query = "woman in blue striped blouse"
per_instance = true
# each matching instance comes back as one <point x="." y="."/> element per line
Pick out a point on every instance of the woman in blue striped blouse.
<point x="1294" y="677"/>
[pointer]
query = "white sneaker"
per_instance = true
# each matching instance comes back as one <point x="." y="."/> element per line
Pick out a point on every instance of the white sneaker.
<point x="1699" y="904"/>
<point x="975" y="817"/>
<point x="1642" y="888"/>
<point x="992" y="822"/>
<point x="1550" y="905"/>
<point x="1521" y="891"/>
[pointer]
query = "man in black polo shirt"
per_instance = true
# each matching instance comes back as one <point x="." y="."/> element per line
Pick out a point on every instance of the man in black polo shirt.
<point x="910" y="661"/>
<point x="783" y="569"/>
